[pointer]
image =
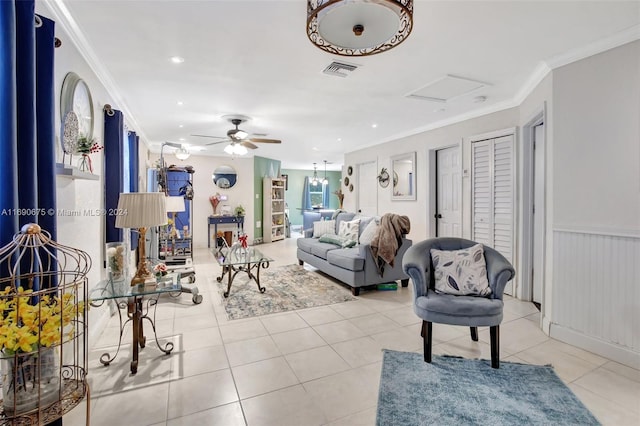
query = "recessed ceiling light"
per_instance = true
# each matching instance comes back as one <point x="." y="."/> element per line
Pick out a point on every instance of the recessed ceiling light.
<point x="181" y="139"/>
<point x="180" y="103"/>
<point x="374" y="125"/>
<point x="339" y="139"/>
<point x="181" y="125"/>
<point x="479" y="99"/>
<point x="177" y="59"/>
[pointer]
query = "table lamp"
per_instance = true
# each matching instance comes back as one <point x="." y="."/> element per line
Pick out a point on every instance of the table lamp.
<point x="141" y="210"/>
<point x="174" y="205"/>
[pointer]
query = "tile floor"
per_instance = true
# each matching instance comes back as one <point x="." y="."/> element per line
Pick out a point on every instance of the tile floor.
<point x="319" y="366"/>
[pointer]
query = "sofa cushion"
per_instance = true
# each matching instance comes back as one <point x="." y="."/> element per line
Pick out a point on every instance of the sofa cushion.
<point x="461" y="272"/>
<point x="321" y="249"/>
<point x="346" y="258"/>
<point x="337" y="240"/>
<point x="322" y="227"/>
<point x="305" y="244"/>
<point x="349" y="230"/>
<point x="343" y="216"/>
<point x="369" y="232"/>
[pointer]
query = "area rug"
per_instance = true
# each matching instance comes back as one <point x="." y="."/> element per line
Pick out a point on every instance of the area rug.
<point x="457" y="391"/>
<point x="288" y="288"/>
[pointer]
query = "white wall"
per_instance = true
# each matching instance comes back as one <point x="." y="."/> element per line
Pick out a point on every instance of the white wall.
<point x="203" y="187"/>
<point x="419" y="210"/>
<point x="596" y="204"/>
<point x="592" y="195"/>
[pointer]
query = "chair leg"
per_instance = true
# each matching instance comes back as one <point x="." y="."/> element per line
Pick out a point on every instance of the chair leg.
<point x="426" y="340"/>
<point x="474" y="334"/>
<point x="494" y="332"/>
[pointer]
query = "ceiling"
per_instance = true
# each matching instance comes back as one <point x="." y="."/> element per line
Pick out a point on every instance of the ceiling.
<point x="253" y="58"/>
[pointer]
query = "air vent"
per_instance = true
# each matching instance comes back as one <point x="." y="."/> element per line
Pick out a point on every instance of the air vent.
<point x="336" y="68"/>
<point x="447" y="88"/>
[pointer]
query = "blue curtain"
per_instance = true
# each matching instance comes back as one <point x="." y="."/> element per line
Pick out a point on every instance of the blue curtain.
<point x="27" y="151"/>
<point x="306" y="197"/>
<point x="113" y="169"/>
<point x="134" y="141"/>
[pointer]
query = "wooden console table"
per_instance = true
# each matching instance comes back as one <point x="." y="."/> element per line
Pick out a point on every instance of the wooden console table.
<point x="217" y="220"/>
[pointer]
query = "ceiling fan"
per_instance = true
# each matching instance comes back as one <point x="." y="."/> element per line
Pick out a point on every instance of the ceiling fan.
<point x="238" y="136"/>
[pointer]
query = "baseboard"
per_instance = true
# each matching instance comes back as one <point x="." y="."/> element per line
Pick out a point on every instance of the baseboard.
<point x="606" y="349"/>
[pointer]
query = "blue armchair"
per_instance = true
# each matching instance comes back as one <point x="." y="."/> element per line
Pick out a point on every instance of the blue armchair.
<point x="470" y="311"/>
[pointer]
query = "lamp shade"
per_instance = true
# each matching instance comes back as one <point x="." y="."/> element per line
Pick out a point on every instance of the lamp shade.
<point x="175" y="204"/>
<point x="141" y="210"/>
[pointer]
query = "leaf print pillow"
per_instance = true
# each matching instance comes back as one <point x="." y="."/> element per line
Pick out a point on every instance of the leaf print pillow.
<point x="461" y="272"/>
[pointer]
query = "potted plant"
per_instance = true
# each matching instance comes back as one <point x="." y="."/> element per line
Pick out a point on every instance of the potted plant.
<point x="30" y="334"/>
<point x="239" y="210"/>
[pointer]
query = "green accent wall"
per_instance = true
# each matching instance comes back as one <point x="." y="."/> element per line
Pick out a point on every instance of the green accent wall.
<point x="293" y="195"/>
<point x="262" y="167"/>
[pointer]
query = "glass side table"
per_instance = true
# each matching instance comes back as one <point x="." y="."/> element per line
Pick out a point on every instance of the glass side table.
<point x="137" y="300"/>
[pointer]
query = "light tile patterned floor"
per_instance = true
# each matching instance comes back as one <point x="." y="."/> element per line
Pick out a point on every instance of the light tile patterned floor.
<point x="319" y="366"/>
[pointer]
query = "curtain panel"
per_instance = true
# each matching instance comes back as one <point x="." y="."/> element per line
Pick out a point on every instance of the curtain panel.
<point x="27" y="128"/>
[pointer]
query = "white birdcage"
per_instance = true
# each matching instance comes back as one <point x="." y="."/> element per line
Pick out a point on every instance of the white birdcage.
<point x="43" y="328"/>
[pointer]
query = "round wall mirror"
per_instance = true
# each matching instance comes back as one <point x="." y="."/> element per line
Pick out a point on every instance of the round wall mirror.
<point x="224" y="177"/>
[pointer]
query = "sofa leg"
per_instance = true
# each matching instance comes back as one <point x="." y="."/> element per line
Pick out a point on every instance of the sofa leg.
<point x="404" y="283"/>
<point x="494" y="332"/>
<point x="474" y="334"/>
<point x="426" y="340"/>
<point x="355" y="291"/>
<point x="300" y="262"/>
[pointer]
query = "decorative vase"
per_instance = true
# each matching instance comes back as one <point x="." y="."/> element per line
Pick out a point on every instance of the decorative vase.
<point x="30" y="380"/>
<point x="116" y="261"/>
<point x="85" y="164"/>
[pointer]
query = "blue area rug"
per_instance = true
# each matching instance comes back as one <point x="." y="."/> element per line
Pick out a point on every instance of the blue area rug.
<point x="457" y="391"/>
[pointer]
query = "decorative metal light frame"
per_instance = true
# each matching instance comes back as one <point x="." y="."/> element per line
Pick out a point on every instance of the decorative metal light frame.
<point x="325" y="181"/>
<point x="316" y="9"/>
<point x="314" y="180"/>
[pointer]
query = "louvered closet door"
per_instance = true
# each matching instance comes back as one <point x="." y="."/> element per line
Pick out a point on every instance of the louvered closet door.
<point x="492" y="204"/>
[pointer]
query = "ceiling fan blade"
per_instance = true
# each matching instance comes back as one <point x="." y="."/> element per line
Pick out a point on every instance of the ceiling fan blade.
<point x="219" y="142"/>
<point x="212" y="137"/>
<point x="248" y="144"/>
<point x="262" y="140"/>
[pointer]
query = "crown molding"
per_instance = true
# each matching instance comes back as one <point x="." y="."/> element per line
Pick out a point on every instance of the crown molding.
<point x="64" y="19"/>
<point x="599" y="46"/>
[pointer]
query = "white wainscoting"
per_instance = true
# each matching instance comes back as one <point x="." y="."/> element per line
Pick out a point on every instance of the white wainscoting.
<point x="596" y="291"/>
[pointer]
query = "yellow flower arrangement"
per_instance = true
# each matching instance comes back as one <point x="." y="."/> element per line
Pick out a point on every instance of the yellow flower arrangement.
<point x="25" y="326"/>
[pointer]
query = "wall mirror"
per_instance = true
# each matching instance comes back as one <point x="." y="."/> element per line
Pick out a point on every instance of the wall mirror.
<point x="404" y="176"/>
<point x="224" y="177"/>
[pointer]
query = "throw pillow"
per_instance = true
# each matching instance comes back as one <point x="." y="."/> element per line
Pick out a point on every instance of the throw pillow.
<point x="337" y="240"/>
<point x="461" y="272"/>
<point x="369" y="232"/>
<point x="349" y="230"/>
<point x="324" y="227"/>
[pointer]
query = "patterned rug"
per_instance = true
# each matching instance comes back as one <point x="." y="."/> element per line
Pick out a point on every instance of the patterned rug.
<point x="457" y="391"/>
<point x="288" y="288"/>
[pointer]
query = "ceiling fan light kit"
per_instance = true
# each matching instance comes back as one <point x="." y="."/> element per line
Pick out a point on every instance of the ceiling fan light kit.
<point x="358" y="27"/>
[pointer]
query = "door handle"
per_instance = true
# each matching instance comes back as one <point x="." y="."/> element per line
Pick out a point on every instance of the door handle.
<point x="437" y="216"/>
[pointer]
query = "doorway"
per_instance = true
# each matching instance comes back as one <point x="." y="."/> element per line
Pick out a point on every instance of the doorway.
<point x="367" y="200"/>
<point x="534" y="208"/>
<point x="448" y="213"/>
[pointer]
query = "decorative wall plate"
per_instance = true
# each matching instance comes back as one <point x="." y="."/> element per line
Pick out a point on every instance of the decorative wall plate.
<point x="349" y="170"/>
<point x="70" y="133"/>
<point x="351" y="188"/>
<point x="346" y="181"/>
<point x="383" y="177"/>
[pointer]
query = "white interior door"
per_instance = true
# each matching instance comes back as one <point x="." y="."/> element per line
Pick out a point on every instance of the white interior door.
<point x="449" y="192"/>
<point x="538" y="213"/>
<point x="493" y="196"/>
<point x="367" y="199"/>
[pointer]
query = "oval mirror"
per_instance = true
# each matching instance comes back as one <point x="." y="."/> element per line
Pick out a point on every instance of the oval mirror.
<point x="224" y="177"/>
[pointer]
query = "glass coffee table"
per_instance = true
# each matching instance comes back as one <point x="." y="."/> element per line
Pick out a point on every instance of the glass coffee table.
<point x="241" y="260"/>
